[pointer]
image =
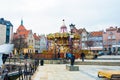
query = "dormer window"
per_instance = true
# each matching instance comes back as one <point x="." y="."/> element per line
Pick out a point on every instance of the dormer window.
<point x="110" y="33"/>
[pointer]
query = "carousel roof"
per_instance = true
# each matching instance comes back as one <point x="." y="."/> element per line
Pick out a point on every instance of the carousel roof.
<point x="62" y="35"/>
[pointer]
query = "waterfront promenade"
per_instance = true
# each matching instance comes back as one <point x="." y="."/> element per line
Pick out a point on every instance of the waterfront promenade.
<point x="86" y="72"/>
<point x="59" y="72"/>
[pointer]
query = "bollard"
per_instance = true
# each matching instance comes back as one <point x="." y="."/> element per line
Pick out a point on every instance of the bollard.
<point x="5" y="74"/>
<point x="6" y="77"/>
<point x="20" y="73"/>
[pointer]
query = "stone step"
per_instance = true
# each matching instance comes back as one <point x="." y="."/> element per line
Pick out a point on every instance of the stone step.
<point x="99" y="63"/>
<point x="107" y="59"/>
<point x="86" y="62"/>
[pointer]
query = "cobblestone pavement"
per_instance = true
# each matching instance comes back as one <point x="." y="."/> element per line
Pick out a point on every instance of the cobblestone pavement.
<point x="59" y="72"/>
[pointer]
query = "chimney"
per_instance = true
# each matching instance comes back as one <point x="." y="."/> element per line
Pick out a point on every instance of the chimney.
<point x="34" y="33"/>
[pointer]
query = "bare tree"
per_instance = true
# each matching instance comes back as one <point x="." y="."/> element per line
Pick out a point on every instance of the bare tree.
<point x="19" y="43"/>
<point x="89" y="43"/>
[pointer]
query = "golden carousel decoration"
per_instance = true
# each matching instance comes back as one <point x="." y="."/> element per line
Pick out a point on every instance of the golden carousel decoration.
<point x="62" y="41"/>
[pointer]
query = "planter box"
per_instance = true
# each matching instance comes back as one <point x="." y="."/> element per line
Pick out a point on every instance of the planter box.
<point x="72" y="68"/>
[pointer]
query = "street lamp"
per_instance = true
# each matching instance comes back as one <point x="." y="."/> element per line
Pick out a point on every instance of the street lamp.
<point x="71" y="27"/>
<point x="71" y="36"/>
<point x="55" y="48"/>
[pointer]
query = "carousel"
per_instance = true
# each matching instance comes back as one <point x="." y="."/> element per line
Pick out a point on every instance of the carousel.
<point x="63" y="42"/>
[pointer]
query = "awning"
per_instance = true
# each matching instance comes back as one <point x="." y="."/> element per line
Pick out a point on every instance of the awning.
<point x="96" y="48"/>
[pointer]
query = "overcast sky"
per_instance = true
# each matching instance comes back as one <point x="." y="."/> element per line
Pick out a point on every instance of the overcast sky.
<point x="45" y="16"/>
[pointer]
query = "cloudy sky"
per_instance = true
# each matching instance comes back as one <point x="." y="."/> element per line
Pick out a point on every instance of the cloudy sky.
<point x="45" y="16"/>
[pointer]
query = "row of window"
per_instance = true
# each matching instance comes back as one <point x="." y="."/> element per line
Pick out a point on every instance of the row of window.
<point x="7" y="33"/>
<point x="112" y="37"/>
<point x="111" y="42"/>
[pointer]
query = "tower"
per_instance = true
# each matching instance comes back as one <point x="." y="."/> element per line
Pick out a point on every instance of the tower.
<point x="63" y="28"/>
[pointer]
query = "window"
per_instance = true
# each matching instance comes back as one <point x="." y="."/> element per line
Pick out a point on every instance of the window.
<point x="118" y="48"/>
<point x="83" y="34"/>
<point x="8" y="29"/>
<point x="100" y="43"/>
<point x="110" y="33"/>
<point x="105" y="49"/>
<point x="113" y="37"/>
<point x="119" y="42"/>
<point x="104" y="42"/>
<point x="113" y="42"/>
<point x="109" y="37"/>
<point x="7" y="39"/>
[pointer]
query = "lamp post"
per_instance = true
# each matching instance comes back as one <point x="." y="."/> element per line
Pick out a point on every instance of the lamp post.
<point x="55" y="48"/>
<point x="71" y="36"/>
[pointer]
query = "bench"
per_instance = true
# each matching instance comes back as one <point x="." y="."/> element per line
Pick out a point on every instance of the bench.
<point x="110" y="74"/>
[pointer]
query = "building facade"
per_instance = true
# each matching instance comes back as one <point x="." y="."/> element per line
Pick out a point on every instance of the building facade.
<point x="43" y="43"/>
<point x="27" y="36"/>
<point x="84" y="37"/>
<point x="97" y="38"/>
<point x="111" y="40"/>
<point x="6" y="31"/>
<point x="36" y="43"/>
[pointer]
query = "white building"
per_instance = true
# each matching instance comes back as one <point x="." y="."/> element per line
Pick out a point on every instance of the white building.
<point x="43" y="43"/>
<point x="36" y="43"/>
<point x="6" y="31"/>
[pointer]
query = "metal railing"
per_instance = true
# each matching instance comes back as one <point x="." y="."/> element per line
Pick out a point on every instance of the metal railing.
<point x="23" y="68"/>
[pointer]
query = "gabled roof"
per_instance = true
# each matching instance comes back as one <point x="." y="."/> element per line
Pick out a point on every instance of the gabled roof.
<point x="81" y="30"/>
<point x="111" y="29"/>
<point x="21" y="28"/>
<point x="22" y="31"/>
<point x="5" y="22"/>
<point x="36" y="37"/>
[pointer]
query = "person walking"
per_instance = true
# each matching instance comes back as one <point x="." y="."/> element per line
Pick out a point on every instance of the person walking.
<point x="82" y="56"/>
<point x="58" y="53"/>
<point x="72" y="60"/>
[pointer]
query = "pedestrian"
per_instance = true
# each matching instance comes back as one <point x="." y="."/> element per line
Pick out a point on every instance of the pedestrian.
<point x="82" y="56"/>
<point x="42" y="62"/>
<point x="58" y="53"/>
<point x="72" y="60"/>
<point x="10" y="55"/>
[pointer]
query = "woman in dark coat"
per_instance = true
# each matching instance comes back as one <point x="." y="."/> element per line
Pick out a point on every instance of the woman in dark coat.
<point x="82" y="56"/>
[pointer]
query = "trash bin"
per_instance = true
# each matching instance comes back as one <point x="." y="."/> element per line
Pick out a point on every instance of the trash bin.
<point x="42" y="62"/>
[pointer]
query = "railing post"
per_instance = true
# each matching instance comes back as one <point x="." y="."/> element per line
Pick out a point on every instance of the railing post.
<point x="9" y="60"/>
<point x="5" y="74"/>
<point x="20" y="73"/>
<point x="20" y="60"/>
<point x="14" y="60"/>
<point x="25" y="71"/>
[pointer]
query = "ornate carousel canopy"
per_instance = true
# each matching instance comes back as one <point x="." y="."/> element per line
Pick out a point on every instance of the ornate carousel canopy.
<point x="61" y="35"/>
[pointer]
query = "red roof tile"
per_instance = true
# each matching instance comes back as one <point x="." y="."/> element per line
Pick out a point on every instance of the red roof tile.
<point x="22" y="31"/>
<point x="35" y="36"/>
<point x="99" y="33"/>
